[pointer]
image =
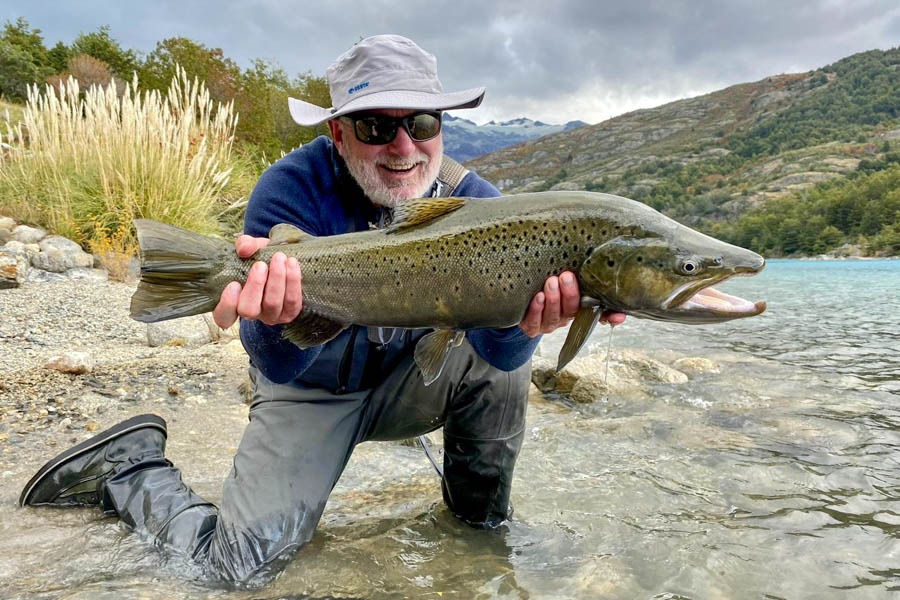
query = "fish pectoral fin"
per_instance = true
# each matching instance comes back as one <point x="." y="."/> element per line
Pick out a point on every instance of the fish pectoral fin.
<point x="310" y="329"/>
<point x="433" y="350"/>
<point x="284" y="233"/>
<point x="579" y="331"/>
<point x="422" y="210"/>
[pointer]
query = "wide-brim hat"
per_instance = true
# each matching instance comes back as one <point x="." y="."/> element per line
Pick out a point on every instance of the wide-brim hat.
<point x="383" y="71"/>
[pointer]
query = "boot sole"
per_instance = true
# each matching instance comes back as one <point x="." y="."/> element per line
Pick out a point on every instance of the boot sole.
<point x="127" y="426"/>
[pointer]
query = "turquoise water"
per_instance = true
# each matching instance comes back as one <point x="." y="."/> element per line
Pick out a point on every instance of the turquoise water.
<point x="835" y="317"/>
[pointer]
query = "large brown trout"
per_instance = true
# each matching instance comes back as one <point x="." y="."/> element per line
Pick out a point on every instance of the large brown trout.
<point x="460" y="263"/>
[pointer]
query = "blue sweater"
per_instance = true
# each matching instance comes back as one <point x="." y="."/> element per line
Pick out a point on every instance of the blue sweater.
<point x="312" y="189"/>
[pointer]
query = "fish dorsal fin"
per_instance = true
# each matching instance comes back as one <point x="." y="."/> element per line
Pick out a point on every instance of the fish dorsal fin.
<point x="579" y="330"/>
<point x="433" y="350"/>
<point x="310" y="329"/>
<point x="283" y="233"/>
<point x="422" y="210"/>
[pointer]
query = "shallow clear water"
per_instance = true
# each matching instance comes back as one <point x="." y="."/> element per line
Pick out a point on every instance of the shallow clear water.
<point x="778" y="477"/>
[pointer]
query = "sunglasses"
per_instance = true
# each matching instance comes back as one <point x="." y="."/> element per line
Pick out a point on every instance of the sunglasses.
<point x="378" y="130"/>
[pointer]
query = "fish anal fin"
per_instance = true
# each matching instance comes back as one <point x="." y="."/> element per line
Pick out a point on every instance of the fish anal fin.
<point x="579" y="331"/>
<point x="432" y="351"/>
<point x="284" y="233"/>
<point x="310" y="329"/>
<point x="417" y="211"/>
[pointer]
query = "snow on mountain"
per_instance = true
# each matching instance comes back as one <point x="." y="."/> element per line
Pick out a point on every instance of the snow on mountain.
<point x="465" y="140"/>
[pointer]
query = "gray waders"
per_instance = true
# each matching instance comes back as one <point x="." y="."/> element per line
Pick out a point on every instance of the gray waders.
<point x="297" y="444"/>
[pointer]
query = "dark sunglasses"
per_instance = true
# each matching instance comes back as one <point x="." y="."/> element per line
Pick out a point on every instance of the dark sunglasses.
<point x="381" y="129"/>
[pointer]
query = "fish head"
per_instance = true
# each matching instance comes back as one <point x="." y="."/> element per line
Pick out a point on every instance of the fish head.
<point x="669" y="276"/>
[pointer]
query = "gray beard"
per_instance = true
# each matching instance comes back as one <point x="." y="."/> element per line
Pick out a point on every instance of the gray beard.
<point x="366" y="176"/>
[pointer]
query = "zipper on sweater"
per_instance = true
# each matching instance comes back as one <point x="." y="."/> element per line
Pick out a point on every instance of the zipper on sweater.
<point x="346" y="363"/>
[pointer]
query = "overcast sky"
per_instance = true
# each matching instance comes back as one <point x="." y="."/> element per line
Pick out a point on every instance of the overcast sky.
<point x="550" y="60"/>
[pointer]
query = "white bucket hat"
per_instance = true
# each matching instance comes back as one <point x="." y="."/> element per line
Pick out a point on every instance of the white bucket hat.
<point x="383" y="71"/>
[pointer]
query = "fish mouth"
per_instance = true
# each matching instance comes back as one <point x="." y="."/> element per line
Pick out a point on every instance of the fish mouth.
<point x="699" y="302"/>
<point x="712" y="301"/>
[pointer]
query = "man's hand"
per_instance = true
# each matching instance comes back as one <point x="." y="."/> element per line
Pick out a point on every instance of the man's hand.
<point x="557" y="305"/>
<point x="271" y="294"/>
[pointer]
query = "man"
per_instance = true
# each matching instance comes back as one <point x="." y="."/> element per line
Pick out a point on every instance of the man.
<point x="311" y="407"/>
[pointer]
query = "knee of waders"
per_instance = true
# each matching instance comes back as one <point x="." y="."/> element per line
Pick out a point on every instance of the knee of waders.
<point x="478" y="478"/>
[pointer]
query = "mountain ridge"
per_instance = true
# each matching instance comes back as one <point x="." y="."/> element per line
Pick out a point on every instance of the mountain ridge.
<point x="464" y="139"/>
<point x="742" y="152"/>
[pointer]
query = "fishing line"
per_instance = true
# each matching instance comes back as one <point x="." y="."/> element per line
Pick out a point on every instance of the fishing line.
<point x="608" y="349"/>
<point x="423" y="441"/>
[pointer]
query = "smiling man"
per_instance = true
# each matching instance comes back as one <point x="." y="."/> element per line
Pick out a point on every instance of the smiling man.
<point x="312" y="407"/>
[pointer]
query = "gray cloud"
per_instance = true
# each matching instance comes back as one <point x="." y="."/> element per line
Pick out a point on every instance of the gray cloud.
<point x="539" y="58"/>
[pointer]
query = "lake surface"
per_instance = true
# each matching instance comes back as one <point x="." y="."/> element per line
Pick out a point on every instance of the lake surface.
<point x="778" y="477"/>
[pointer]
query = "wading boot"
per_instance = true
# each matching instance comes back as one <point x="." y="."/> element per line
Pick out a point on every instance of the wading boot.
<point x="77" y="477"/>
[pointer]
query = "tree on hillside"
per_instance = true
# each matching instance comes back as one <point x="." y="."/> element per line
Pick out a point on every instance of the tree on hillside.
<point x="266" y="87"/>
<point x="20" y="35"/>
<point x="102" y="46"/>
<point x="58" y="57"/>
<point x="24" y="59"/>
<point x="221" y="74"/>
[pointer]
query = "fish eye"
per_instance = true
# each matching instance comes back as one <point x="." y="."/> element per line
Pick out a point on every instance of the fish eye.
<point x="689" y="266"/>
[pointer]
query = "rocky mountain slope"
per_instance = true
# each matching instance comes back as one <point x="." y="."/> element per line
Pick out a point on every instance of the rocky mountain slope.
<point x="713" y="158"/>
<point x="465" y="140"/>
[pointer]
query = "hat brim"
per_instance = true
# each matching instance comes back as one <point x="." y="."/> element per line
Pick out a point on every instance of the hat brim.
<point x="309" y="115"/>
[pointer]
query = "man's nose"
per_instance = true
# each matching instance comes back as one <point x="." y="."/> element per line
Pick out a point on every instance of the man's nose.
<point x="402" y="144"/>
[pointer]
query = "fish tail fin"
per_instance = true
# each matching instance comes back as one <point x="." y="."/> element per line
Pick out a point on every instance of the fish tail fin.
<point x="177" y="271"/>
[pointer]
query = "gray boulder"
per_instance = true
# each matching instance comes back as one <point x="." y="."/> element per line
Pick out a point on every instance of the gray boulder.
<point x="59" y="254"/>
<point x="42" y="276"/>
<point x="28" y="235"/>
<point x="7" y="223"/>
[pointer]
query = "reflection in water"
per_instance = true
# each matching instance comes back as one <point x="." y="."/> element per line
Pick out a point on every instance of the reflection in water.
<point x="777" y="478"/>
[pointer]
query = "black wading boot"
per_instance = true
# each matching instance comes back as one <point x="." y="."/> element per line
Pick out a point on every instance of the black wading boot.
<point x="77" y="477"/>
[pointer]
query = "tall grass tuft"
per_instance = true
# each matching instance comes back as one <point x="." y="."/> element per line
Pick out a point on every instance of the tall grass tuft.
<point x="85" y="163"/>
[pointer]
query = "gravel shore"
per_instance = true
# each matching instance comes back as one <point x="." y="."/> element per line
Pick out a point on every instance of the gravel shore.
<point x="40" y="321"/>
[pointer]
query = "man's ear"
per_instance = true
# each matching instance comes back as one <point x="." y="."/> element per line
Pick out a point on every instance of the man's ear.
<point x="337" y="134"/>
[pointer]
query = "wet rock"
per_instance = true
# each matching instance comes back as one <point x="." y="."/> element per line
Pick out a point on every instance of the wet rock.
<point x="590" y="388"/>
<point x="696" y="364"/>
<point x="581" y="366"/>
<point x="543" y="373"/>
<point x="586" y="378"/>
<point x="186" y="331"/>
<point x="76" y="363"/>
<point x="28" y="235"/>
<point x="59" y="254"/>
<point x="13" y="268"/>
